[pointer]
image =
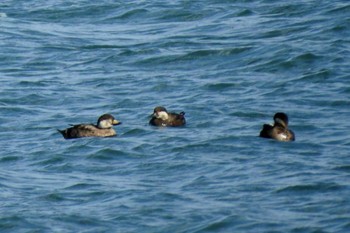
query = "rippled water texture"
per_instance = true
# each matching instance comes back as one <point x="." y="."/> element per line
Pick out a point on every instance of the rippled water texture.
<point x="230" y="65"/>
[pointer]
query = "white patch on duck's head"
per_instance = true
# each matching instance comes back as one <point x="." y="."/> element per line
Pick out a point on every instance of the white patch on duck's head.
<point x="281" y="122"/>
<point x="161" y="115"/>
<point x="105" y="124"/>
<point x="281" y="118"/>
<point x="106" y="121"/>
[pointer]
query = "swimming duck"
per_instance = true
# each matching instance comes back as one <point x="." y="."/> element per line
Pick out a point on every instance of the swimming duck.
<point x="103" y="128"/>
<point x="161" y="117"/>
<point x="279" y="130"/>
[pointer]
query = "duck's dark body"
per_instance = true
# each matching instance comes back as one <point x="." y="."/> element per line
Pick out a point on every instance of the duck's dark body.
<point x="279" y="131"/>
<point x="86" y="130"/>
<point x="102" y="129"/>
<point x="163" y="118"/>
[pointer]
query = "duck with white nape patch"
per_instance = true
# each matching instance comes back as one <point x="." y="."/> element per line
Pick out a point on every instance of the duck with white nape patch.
<point x="161" y="117"/>
<point x="103" y="128"/>
<point x="279" y="131"/>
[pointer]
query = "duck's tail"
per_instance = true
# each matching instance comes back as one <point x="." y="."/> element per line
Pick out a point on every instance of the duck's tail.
<point x="63" y="132"/>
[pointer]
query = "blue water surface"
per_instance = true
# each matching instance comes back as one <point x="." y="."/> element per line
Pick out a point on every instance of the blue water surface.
<point x="230" y="65"/>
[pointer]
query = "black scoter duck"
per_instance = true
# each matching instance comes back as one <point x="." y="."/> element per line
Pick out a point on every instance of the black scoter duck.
<point x="103" y="128"/>
<point x="279" y="130"/>
<point x="161" y="117"/>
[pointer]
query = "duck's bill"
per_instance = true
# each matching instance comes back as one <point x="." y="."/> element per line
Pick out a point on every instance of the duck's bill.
<point x="115" y="122"/>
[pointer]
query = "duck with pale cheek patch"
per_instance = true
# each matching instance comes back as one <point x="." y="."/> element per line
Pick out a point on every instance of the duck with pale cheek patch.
<point x="103" y="128"/>
<point x="161" y="117"/>
<point x="279" y="131"/>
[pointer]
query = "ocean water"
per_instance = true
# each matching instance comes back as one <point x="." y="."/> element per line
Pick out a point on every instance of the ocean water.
<point x="230" y="65"/>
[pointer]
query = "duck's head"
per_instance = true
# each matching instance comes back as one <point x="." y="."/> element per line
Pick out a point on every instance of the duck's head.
<point x="281" y="118"/>
<point x="160" y="113"/>
<point x="106" y="121"/>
